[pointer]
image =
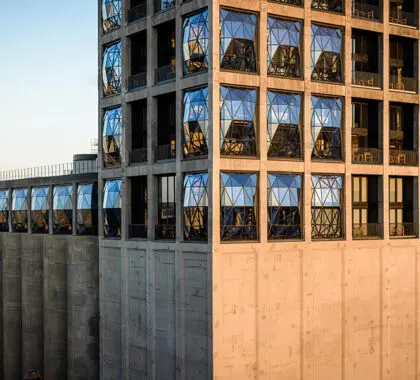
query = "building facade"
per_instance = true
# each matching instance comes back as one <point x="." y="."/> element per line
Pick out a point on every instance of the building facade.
<point x="258" y="187"/>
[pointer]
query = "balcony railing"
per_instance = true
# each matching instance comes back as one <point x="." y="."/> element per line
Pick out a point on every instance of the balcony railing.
<point x="165" y="232"/>
<point x="402" y="83"/>
<point x="137" y="81"/>
<point x="402" y="18"/>
<point x="367" y="11"/>
<point x="71" y="168"/>
<point x="138" y="231"/>
<point x="403" y="157"/>
<point x="165" y="152"/>
<point x="164" y="5"/>
<point x="137" y="13"/>
<point x="372" y="156"/>
<point x="367" y="230"/>
<point x="165" y="73"/>
<point x="402" y="229"/>
<point x="362" y="78"/>
<point x="138" y="156"/>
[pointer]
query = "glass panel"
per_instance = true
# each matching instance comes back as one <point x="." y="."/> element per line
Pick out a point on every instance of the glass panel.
<point x="111" y="14"/>
<point x="87" y="209"/>
<point x="195" y="207"/>
<point x="195" y="42"/>
<point x="238" y="219"/>
<point x="399" y="190"/>
<point x="356" y="191"/>
<point x="284" y="47"/>
<point x="364" y="216"/>
<point x="392" y="216"/>
<point x="326" y="46"/>
<point x="283" y="124"/>
<point x="356" y="216"/>
<point x="364" y="189"/>
<point x="112" y="137"/>
<point x="237" y="121"/>
<point x="238" y="40"/>
<point x="112" y="208"/>
<point x="392" y="188"/>
<point x="399" y="215"/>
<point x="111" y="69"/>
<point x="196" y="122"/>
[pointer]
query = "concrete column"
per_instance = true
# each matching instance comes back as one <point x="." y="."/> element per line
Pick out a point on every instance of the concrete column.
<point x="51" y="210"/>
<point x="9" y="202"/>
<point x="32" y="302"/>
<point x="55" y="307"/>
<point x="29" y="212"/>
<point x="125" y="208"/>
<point x="74" y="204"/>
<point x="346" y="133"/>
<point x="12" y="306"/>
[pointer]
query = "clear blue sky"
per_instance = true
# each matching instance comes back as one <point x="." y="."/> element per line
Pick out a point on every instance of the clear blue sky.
<point x="48" y="68"/>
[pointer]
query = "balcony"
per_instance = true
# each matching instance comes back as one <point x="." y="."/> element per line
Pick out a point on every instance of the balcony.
<point x="165" y="152"/>
<point x="361" y="78"/>
<point x="367" y="230"/>
<point x="402" y="230"/>
<point x="138" y="231"/>
<point x="371" y="156"/>
<point x="402" y="18"/>
<point x="165" y="232"/>
<point x="402" y="83"/>
<point x="138" y="156"/>
<point x="164" y="5"/>
<point x="137" y="81"/>
<point x="137" y="13"/>
<point x="366" y="11"/>
<point x="403" y="157"/>
<point x="165" y="73"/>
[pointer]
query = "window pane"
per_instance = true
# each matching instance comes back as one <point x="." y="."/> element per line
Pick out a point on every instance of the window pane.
<point x="364" y="189"/>
<point x="399" y="215"/>
<point x="356" y="189"/>
<point x="399" y="190"/>
<point x="364" y="216"/>
<point x="392" y="190"/>
<point x="392" y="216"/>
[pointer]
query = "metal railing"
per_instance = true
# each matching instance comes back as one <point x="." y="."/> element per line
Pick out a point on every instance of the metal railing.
<point x="138" y="231"/>
<point x="371" y="156"/>
<point x="403" y="157"/>
<point x="165" y="73"/>
<point x="165" y="152"/>
<point x="164" y="5"/>
<point x="363" y="78"/>
<point x="402" y="83"/>
<point x="137" y="13"/>
<point x="137" y="81"/>
<point x="367" y="11"/>
<point x="367" y="230"/>
<point x="71" y="168"/>
<point x="402" y="18"/>
<point x="165" y="232"/>
<point x="138" y="156"/>
<point x="402" y="229"/>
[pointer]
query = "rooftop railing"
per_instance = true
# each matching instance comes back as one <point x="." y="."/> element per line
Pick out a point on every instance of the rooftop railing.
<point x="71" y="168"/>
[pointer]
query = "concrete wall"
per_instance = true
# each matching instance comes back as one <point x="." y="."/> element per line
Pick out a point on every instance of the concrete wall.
<point x="155" y="302"/>
<point x="329" y="310"/>
<point x="49" y="308"/>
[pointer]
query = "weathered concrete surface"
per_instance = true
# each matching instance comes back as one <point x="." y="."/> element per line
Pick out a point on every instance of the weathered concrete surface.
<point x="50" y="306"/>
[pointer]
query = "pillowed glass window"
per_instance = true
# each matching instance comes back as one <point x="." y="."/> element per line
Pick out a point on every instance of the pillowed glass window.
<point x="284" y="47"/>
<point x="283" y="124"/>
<point x="63" y="210"/>
<point x="20" y="210"/>
<point x="327" y="204"/>
<point x="87" y="209"/>
<point x="326" y="120"/>
<point x="195" y="207"/>
<point x="166" y="227"/>
<point x="284" y="206"/>
<point x="238" y="211"/>
<point x="39" y="210"/>
<point x="326" y="51"/>
<point x="111" y="69"/>
<point x="4" y="211"/>
<point x="196" y="120"/>
<point x="112" y="137"/>
<point x="111" y="14"/>
<point x="196" y="43"/>
<point x="238" y="36"/>
<point x="112" y="208"/>
<point x="238" y="121"/>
